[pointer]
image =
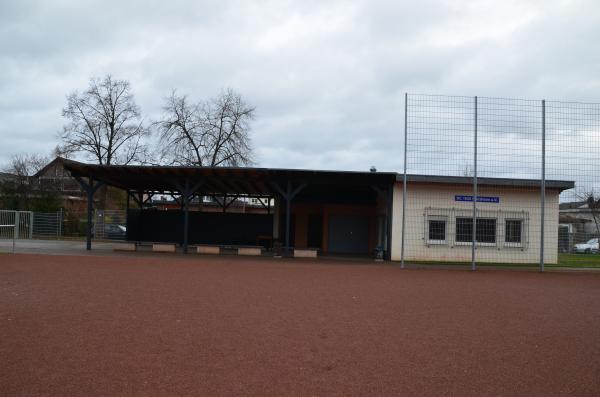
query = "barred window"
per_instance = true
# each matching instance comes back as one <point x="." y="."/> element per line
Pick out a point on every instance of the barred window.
<point x="513" y="232"/>
<point x="437" y="230"/>
<point x="486" y="230"/>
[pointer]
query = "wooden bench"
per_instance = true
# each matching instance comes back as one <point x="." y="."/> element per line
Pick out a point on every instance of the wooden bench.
<point x="305" y="253"/>
<point x="249" y="251"/>
<point x="216" y="249"/>
<point x="208" y="249"/>
<point x="129" y="247"/>
<point x="170" y="248"/>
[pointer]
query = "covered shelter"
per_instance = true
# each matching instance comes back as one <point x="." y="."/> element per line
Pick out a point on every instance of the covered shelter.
<point x="345" y="212"/>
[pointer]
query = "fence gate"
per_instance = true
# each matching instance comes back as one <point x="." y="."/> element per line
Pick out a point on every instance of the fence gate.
<point x="47" y="224"/>
<point x="15" y="225"/>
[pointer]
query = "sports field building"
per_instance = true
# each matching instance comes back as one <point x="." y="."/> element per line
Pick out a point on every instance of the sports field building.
<point x="344" y="213"/>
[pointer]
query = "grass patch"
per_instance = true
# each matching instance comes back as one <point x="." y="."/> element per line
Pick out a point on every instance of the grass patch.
<point x="564" y="260"/>
<point x="578" y="260"/>
<point x="468" y="264"/>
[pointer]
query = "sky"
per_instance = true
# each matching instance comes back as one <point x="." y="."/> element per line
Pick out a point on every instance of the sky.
<point x="327" y="78"/>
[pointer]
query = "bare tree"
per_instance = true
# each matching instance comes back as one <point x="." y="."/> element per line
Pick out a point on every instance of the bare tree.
<point x="593" y="203"/>
<point x="213" y="133"/>
<point x="61" y="151"/>
<point x="183" y="139"/>
<point x="228" y="118"/>
<point x="104" y="123"/>
<point x="26" y="165"/>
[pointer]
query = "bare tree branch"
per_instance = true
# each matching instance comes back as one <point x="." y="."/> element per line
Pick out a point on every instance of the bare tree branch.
<point x="592" y="200"/>
<point x="214" y="133"/>
<point x="105" y="123"/>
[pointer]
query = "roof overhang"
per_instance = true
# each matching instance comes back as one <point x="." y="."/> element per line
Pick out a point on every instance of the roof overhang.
<point x="260" y="181"/>
<point x="499" y="182"/>
<point x="219" y="180"/>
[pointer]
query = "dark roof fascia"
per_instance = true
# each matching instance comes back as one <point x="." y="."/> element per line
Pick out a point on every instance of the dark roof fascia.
<point x="162" y="173"/>
<point x="504" y="182"/>
<point x="280" y="174"/>
<point x="255" y="169"/>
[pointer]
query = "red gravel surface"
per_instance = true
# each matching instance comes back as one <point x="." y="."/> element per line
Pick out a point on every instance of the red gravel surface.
<point x="228" y="326"/>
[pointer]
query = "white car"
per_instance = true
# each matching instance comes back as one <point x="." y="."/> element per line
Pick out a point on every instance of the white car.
<point x="590" y="246"/>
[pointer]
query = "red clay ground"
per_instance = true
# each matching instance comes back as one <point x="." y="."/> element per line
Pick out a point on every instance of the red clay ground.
<point x="224" y="326"/>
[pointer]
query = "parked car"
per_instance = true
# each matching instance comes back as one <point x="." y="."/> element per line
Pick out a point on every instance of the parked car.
<point x="115" y="232"/>
<point x="591" y="246"/>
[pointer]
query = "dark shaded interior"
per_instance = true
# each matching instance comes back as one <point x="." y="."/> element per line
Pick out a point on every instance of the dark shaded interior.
<point x="204" y="227"/>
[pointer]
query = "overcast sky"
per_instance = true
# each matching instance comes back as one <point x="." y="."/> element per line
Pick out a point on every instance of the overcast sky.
<point x="327" y="77"/>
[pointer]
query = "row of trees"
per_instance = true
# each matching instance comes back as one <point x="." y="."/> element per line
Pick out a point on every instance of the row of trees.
<point x="105" y="123"/>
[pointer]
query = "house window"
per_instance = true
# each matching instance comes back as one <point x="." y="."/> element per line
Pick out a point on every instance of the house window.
<point x="486" y="230"/>
<point x="437" y="231"/>
<point x="513" y="232"/>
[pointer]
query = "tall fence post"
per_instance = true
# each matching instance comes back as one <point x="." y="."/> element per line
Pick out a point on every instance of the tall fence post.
<point x="404" y="180"/>
<point x="30" y="225"/>
<point x="474" y="234"/>
<point x="15" y="231"/>
<point x="543" y="186"/>
<point x="17" y="225"/>
<point x="59" y="225"/>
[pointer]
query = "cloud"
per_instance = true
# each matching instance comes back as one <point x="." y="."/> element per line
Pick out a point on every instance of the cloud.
<point x="327" y="78"/>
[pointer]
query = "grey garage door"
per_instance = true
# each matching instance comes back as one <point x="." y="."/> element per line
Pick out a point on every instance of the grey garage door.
<point x="348" y="234"/>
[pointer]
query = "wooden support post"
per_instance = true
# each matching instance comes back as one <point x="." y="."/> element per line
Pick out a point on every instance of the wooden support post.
<point x="288" y="194"/>
<point x="288" y="210"/>
<point x="187" y="191"/>
<point x="186" y="214"/>
<point x="90" y="188"/>
<point x="90" y="208"/>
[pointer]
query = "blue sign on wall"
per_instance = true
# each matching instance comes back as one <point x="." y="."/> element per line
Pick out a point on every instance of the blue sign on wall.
<point x="480" y="199"/>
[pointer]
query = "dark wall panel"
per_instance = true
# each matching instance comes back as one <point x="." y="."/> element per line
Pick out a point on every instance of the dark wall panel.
<point x="204" y="227"/>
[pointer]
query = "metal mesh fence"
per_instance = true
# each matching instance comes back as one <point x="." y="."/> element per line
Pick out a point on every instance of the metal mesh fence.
<point x="7" y="225"/>
<point x="110" y="225"/>
<point x="107" y="224"/>
<point x="15" y="223"/>
<point x="440" y="135"/>
<point x="48" y="224"/>
<point x="573" y="151"/>
<point x="497" y="180"/>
